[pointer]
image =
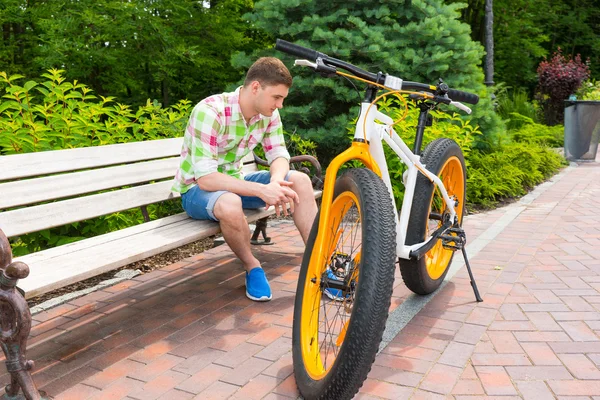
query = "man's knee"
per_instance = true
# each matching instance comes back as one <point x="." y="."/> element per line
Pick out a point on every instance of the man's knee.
<point x="301" y="182"/>
<point x="228" y="207"/>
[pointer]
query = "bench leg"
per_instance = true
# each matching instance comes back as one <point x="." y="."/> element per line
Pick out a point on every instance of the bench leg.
<point x="261" y="228"/>
<point x="15" y="325"/>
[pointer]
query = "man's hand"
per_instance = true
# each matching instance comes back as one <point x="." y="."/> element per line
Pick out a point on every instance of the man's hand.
<point x="279" y="193"/>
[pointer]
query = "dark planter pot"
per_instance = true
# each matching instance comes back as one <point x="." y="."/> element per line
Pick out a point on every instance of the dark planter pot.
<point x="582" y="129"/>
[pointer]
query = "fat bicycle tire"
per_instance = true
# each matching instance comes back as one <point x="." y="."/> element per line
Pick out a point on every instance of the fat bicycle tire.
<point x="365" y="305"/>
<point x="444" y="158"/>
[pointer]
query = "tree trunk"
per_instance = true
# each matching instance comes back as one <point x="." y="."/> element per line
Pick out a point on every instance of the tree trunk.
<point x="489" y="42"/>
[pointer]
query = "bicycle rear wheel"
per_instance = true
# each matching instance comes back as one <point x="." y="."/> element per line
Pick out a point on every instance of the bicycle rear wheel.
<point x="444" y="158"/>
<point x="342" y="301"/>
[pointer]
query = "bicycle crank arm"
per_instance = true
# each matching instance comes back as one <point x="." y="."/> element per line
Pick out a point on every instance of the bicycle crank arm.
<point x="420" y="252"/>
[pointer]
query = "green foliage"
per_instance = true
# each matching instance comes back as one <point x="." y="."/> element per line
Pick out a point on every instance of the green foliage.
<point x="514" y="108"/>
<point x="589" y="90"/>
<point x="56" y="114"/>
<point x="508" y="171"/>
<point x="418" y="40"/>
<point x="540" y="135"/>
<point x="525" y="31"/>
<point x="134" y="50"/>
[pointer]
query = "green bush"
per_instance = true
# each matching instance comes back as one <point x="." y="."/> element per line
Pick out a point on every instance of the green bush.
<point x="538" y="134"/>
<point x="56" y="114"/>
<point x="509" y="171"/>
<point x="515" y="108"/>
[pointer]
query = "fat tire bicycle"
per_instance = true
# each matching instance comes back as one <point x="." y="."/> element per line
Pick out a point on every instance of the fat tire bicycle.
<point x="346" y="278"/>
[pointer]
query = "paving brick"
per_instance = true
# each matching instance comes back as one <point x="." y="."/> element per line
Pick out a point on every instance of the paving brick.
<point x="159" y="386"/>
<point x="580" y="366"/>
<point x="575" y="347"/>
<point x="385" y="390"/>
<point x="402" y="350"/>
<point x="534" y="390"/>
<point x="403" y="363"/>
<point x="287" y="388"/>
<point x="540" y="353"/>
<point x="469" y="333"/>
<point x="543" y="321"/>
<point x="246" y="371"/>
<point x="526" y="373"/>
<point x="276" y="349"/>
<point x="579" y="331"/>
<point x="257" y="388"/>
<point x="394" y="376"/>
<point x="119" y="389"/>
<point x="202" y="379"/>
<point x="495" y="381"/>
<point x="500" y="359"/>
<point x="216" y="391"/>
<point x="456" y="354"/>
<point x="575" y="388"/>
<point x="78" y="392"/>
<point x="468" y="387"/>
<point x="441" y="379"/>
<point x="505" y="342"/>
<point x="113" y="373"/>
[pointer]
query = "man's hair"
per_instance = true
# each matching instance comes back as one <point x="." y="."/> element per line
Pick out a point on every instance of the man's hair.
<point x="269" y="71"/>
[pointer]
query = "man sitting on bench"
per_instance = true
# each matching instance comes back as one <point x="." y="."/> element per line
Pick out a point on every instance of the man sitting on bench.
<point x="224" y="128"/>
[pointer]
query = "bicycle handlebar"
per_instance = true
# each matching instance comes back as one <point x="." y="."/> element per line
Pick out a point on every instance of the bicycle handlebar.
<point x="313" y="55"/>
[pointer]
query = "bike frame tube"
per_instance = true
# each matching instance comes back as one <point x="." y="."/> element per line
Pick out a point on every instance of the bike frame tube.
<point x="374" y="132"/>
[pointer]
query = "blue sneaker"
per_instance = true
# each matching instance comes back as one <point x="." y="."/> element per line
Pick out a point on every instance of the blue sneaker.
<point x="334" y="294"/>
<point x="257" y="286"/>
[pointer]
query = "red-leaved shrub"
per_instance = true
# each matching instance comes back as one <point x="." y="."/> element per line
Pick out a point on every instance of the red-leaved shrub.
<point x="557" y="79"/>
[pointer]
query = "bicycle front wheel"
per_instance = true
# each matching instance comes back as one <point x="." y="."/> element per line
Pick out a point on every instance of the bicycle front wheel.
<point x="342" y="301"/>
<point x="444" y="158"/>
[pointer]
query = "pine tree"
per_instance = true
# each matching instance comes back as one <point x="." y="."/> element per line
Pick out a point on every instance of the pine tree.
<point x="418" y="40"/>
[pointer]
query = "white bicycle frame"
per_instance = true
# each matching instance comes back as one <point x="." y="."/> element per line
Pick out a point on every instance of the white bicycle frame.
<point x="376" y="133"/>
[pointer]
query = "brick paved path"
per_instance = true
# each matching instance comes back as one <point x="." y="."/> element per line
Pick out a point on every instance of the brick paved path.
<point x="188" y="332"/>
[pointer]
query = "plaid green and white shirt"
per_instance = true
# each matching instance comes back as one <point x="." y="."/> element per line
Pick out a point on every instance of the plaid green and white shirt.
<point x="217" y="138"/>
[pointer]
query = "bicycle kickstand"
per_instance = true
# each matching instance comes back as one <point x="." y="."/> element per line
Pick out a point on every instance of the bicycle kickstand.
<point x="459" y="242"/>
<point x="473" y="284"/>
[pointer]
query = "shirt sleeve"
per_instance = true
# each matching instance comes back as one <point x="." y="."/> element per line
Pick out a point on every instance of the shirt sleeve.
<point x="204" y="127"/>
<point x="273" y="141"/>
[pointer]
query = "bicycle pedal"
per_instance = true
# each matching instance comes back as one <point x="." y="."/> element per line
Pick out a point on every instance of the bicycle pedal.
<point x="451" y="242"/>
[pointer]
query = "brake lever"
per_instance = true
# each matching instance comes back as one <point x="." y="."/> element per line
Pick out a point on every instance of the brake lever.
<point x="461" y="106"/>
<point x="305" y="63"/>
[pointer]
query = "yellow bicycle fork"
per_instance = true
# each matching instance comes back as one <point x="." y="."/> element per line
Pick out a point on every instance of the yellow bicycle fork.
<point x="357" y="151"/>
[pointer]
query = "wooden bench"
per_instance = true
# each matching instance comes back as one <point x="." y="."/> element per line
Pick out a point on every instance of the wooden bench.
<point x="49" y="189"/>
<point x="44" y="190"/>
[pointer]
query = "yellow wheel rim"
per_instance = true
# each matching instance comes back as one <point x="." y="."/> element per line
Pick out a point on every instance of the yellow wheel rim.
<point x="324" y="322"/>
<point x="452" y="176"/>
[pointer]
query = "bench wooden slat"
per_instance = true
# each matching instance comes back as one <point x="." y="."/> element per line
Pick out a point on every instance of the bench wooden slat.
<point x="84" y="261"/>
<point x="31" y="191"/>
<point x="55" y="268"/>
<point x="16" y="166"/>
<point x="36" y="218"/>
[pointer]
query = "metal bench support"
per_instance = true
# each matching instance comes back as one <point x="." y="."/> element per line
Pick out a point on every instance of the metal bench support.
<point x="15" y="324"/>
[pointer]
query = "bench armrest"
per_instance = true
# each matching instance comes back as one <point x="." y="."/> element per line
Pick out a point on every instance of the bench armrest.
<point x="316" y="177"/>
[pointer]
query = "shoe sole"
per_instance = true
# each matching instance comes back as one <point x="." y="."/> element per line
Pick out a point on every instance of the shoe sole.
<point x="263" y="298"/>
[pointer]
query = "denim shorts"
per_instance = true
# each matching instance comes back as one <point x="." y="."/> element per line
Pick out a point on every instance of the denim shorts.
<point x="199" y="204"/>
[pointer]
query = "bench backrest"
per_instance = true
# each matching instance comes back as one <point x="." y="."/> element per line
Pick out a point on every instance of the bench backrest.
<point x="53" y="188"/>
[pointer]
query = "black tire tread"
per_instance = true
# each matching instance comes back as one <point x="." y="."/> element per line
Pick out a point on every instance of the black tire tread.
<point x="373" y="298"/>
<point x="434" y="156"/>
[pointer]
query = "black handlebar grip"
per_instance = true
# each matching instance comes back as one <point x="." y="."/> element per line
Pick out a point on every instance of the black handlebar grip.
<point x="463" y="97"/>
<point x="296" y="50"/>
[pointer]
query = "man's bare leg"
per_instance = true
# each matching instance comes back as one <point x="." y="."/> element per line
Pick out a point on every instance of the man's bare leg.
<point x="234" y="227"/>
<point x="306" y="210"/>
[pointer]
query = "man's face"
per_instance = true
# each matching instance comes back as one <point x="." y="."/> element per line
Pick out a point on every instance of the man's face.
<point x="267" y="98"/>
